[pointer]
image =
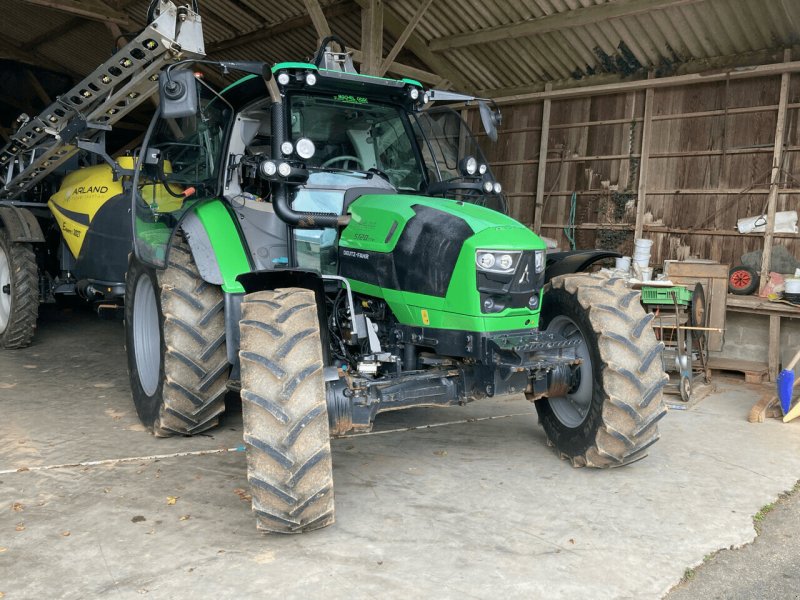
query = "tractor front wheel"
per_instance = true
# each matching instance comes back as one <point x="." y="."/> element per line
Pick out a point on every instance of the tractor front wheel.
<point x="284" y="411"/>
<point x="608" y="417"/>
<point x="19" y="293"/>
<point x="175" y="340"/>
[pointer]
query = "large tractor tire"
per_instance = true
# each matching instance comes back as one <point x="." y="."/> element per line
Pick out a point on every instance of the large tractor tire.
<point x="19" y="293"/>
<point x="175" y="339"/>
<point x="284" y="411"/>
<point x="609" y="416"/>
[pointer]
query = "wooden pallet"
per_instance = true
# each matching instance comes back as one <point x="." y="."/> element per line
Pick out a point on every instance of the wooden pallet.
<point x="754" y="371"/>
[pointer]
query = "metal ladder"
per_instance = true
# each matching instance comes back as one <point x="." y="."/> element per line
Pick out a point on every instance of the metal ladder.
<point x="77" y="119"/>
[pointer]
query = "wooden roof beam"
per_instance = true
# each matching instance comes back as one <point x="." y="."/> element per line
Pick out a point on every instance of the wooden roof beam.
<point x="418" y="46"/>
<point x="335" y="10"/>
<point x="398" y="45"/>
<point x="406" y="71"/>
<point x="318" y="19"/>
<point x="557" y="21"/>
<point x="88" y="9"/>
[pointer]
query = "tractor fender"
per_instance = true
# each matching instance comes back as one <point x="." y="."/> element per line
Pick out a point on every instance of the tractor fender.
<point x="21" y="224"/>
<point x="577" y="261"/>
<point x="202" y="251"/>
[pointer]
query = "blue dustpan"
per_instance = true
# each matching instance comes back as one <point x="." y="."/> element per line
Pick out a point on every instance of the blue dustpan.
<point x="785" y="385"/>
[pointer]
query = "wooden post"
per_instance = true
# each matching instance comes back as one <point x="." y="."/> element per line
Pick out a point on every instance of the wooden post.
<point x="318" y="19"/>
<point x="545" y="132"/>
<point x="641" y="195"/>
<point x="372" y="37"/>
<point x="775" y="177"/>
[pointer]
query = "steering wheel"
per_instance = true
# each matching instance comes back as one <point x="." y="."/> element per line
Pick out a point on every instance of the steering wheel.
<point x="343" y="158"/>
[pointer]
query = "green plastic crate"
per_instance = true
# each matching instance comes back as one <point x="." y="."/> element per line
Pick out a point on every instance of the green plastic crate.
<point x="664" y="295"/>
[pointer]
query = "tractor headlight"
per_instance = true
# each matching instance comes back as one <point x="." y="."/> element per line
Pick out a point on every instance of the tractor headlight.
<point x="505" y="262"/>
<point x="413" y="93"/>
<point x="283" y="78"/>
<point x="287" y="148"/>
<point x="284" y="170"/>
<point x="311" y="79"/>
<point x="539" y="261"/>
<point x="268" y="168"/>
<point x="488" y="186"/>
<point x="425" y="98"/>
<point x="469" y="166"/>
<point x="485" y="260"/>
<point x="305" y="148"/>
<point x="497" y="188"/>
<point x="497" y="261"/>
<point x="482" y="168"/>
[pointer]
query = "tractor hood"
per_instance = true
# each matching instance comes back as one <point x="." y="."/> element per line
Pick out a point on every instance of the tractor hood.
<point x="419" y="254"/>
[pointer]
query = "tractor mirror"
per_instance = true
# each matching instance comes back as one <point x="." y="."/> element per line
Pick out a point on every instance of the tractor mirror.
<point x="491" y="118"/>
<point x="177" y="94"/>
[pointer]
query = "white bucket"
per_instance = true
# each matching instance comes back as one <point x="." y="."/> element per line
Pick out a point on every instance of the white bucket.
<point x="642" y="262"/>
<point x="622" y="263"/>
<point x="643" y="244"/>
<point x="647" y="274"/>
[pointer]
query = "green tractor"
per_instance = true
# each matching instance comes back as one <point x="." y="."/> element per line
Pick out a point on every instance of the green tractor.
<point x="338" y="251"/>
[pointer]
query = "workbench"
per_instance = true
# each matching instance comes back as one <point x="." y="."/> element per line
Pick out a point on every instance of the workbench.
<point x="775" y="311"/>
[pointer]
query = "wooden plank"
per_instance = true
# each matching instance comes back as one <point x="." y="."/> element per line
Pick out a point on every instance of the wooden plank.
<point x="372" y="36"/>
<point x="576" y="17"/>
<point x="403" y="38"/>
<point x="775" y="177"/>
<point x="774" y="352"/>
<point x="754" y="371"/>
<point x="541" y="172"/>
<point x="647" y="132"/>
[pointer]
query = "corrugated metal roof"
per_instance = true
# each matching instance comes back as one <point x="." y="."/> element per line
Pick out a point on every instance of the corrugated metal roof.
<point x="570" y="47"/>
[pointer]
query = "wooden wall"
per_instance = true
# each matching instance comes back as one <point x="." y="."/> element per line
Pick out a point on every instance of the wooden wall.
<point x="709" y="164"/>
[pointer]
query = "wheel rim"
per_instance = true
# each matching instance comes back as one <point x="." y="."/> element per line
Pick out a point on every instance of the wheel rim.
<point x="5" y="290"/>
<point x="146" y="335"/>
<point x="572" y="408"/>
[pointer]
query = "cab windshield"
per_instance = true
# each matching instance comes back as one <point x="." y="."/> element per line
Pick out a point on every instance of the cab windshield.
<point x="352" y="134"/>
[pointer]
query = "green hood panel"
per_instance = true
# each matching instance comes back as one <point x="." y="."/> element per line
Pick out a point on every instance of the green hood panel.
<point x="391" y="249"/>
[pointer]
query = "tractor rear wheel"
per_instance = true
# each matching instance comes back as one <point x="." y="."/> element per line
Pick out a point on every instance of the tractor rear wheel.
<point x="175" y="339"/>
<point x="19" y="293"/>
<point x="608" y="418"/>
<point x="284" y="411"/>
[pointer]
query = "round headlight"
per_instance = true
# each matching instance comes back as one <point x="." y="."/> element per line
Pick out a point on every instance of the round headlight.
<point x="287" y="148"/>
<point x="305" y="148"/>
<point x="482" y="169"/>
<point x="311" y="79"/>
<point x="471" y="165"/>
<point x="505" y="262"/>
<point x="413" y="93"/>
<point x="533" y="302"/>
<point x="485" y="260"/>
<point x="284" y="169"/>
<point x="425" y="98"/>
<point x="268" y="168"/>
<point x="497" y="188"/>
<point x="283" y="78"/>
<point x="488" y="187"/>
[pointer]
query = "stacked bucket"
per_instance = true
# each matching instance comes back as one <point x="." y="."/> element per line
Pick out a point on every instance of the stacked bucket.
<point x="639" y="264"/>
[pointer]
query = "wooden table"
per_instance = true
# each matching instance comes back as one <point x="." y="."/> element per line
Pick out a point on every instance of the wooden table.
<point x="775" y="311"/>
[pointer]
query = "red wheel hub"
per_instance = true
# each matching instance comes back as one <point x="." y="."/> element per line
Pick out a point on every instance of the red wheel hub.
<point x="741" y="279"/>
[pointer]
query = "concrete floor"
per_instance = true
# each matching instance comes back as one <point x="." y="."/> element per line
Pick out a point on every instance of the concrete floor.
<point x="477" y="508"/>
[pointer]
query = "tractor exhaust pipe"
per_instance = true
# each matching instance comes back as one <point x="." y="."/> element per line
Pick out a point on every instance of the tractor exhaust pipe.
<point x="280" y="195"/>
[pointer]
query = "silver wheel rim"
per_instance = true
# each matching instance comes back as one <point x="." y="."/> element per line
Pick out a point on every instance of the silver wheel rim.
<point x="5" y="298"/>
<point x="146" y="335"/>
<point x="572" y="408"/>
